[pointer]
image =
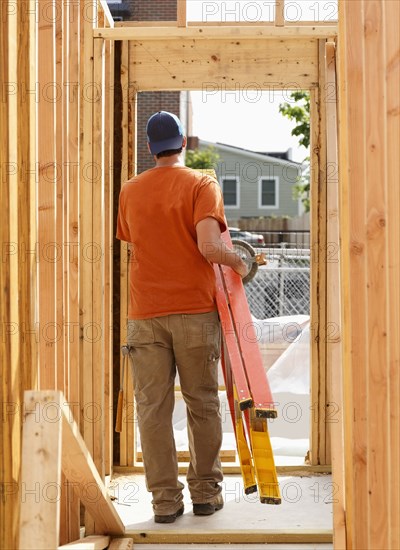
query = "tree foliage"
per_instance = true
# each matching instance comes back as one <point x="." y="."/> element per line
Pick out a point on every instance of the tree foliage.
<point x="202" y="158"/>
<point x="299" y="111"/>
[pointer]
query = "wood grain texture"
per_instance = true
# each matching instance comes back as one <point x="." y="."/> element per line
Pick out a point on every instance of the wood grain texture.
<point x="333" y="315"/>
<point x="391" y="19"/>
<point x="41" y="468"/>
<point x="216" y="32"/>
<point x="124" y="279"/>
<point x="370" y="255"/>
<point x="181" y="13"/>
<point x="279" y="13"/>
<point x="224" y="64"/>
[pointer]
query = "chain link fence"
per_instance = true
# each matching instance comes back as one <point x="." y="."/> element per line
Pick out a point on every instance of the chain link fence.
<point x="282" y="287"/>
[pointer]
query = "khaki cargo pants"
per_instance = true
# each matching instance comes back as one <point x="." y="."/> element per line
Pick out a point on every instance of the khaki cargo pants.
<point x="161" y="346"/>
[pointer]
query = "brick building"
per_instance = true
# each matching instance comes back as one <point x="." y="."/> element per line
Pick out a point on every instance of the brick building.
<point x="150" y="102"/>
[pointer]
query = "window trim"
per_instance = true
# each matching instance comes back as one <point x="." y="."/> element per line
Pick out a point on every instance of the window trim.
<point x="237" y="179"/>
<point x="269" y="206"/>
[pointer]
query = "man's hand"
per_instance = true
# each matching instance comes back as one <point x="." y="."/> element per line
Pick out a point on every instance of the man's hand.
<point x="215" y="250"/>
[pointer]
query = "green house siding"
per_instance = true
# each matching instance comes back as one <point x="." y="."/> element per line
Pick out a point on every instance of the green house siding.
<point x="249" y="170"/>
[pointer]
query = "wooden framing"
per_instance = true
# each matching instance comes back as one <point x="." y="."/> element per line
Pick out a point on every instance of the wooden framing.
<point x="55" y="210"/>
<point x="51" y="441"/>
<point x="369" y="141"/>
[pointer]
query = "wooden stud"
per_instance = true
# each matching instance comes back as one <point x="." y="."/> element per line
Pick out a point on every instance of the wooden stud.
<point x="40" y="471"/>
<point x="97" y="197"/>
<point x="334" y="355"/>
<point x="7" y="519"/>
<point x="181" y="13"/>
<point x="353" y="269"/>
<point x="131" y="424"/>
<point x="279" y="13"/>
<point x="124" y="282"/>
<point x="72" y="145"/>
<point x="46" y="202"/>
<point x="108" y="253"/>
<point x="378" y="296"/>
<point x="392" y="144"/>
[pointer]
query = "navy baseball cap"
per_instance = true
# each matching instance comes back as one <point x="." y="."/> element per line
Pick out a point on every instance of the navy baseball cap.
<point x="164" y="132"/>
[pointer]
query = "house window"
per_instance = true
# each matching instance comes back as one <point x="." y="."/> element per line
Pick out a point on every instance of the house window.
<point x="230" y="190"/>
<point x="268" y="192"/>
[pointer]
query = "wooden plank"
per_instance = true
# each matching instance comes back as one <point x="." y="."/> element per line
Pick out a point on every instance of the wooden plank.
<point x="72" y="145"/>
<point x="60" y="184"/>
<point x="259" y="536"/>
<point x="46" y="201"/>
<point x="7" y="508"/>
<point x="80" y="470"/>
<point x="97" y="190"/>
<point x="121" y="544"/>
<point x="334" y="351"/>
<point x="94" y="542"/>
<point x="377" y="292"/>
<point x="356" y="476"/>
<point x="332" y="24"/>
<point x="218" y="66"/>
<point x="279" y="13"/>
<point x="124" y="282"/>
<point x="132" y="425"/>
<point x="300" y="470"/>
<point x="314" y="276"/>
<point x="392" y="146"/>
<point x="324" y="253"/>
<point x="181" y="13"/>
<point x="108" y="255"/>
<point x="88" y="15"/>
<point x="40" y="469"/>
<point x="213" y="32"/>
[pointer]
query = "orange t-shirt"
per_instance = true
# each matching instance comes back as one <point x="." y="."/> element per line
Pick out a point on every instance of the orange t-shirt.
<point x="158" y="213"/>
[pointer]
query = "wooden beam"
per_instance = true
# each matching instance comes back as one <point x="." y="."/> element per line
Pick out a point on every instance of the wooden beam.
<point x="333" y="316"/>
<point x="231" y="32"/>
<point x="40" y="471"/>
<point x="218" y="66"/>
<point x="181" y="13"/>
<point x="124" y="267"/>
<point x="97" y="197"/>
<point x="47" y="172"/>
<point x="94" y="542"/>
<point x="279" y="13"/>
<point x="259" y="536"/>
<point x="318" y="266"/>
<point x="224" y="24"/>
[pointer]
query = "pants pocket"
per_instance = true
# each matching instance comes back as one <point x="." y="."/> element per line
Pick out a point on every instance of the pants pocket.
<point x="140" y="332"/>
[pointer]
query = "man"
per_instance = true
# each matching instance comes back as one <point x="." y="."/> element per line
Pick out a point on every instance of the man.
<point x="173" y="217"/>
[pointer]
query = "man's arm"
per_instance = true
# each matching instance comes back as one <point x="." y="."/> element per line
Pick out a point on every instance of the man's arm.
<point x="214" y="249"/>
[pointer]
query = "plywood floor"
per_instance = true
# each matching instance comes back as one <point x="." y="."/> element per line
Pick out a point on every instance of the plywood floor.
<point x="306" y="509"/>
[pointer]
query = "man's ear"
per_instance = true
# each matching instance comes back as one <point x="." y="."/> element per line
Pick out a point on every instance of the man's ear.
<point x="184" y="142"/>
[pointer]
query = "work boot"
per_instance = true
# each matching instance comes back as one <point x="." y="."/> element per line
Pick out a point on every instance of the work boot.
<point x="208" y="508"/>
<point x="169" y="518"/>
